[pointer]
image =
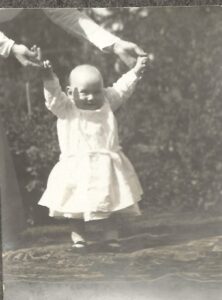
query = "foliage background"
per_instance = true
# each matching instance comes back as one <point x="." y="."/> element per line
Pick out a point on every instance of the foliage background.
<point x="170" y="129"/>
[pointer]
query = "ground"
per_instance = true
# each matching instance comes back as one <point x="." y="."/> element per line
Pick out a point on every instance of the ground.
<point x="181" y="253"/>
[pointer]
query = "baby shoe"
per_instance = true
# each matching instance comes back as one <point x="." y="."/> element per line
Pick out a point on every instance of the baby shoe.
<point x="78" y="241"/>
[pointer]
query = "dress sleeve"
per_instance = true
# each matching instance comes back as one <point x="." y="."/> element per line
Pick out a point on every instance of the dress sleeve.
<point x="76" y="22"/>
<point x="56" y="100"/>
<point x="5" y="45"/>
<point x="121" y="90"/>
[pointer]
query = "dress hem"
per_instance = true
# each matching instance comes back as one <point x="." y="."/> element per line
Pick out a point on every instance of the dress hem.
<point x="132" y="209"/>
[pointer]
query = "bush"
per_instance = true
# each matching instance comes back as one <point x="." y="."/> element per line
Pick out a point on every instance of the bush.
<point x="170" y="129"/>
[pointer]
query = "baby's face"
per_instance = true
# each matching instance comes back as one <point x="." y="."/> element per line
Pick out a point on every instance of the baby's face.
<point x="87" y="91"/>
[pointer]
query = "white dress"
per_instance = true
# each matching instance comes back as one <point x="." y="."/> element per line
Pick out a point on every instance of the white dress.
<point x="93" y="177"/>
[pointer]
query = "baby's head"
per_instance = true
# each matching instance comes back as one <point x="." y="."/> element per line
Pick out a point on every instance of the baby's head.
<point x="86" y="87"/>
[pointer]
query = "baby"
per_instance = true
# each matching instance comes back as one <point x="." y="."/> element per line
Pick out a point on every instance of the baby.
<point x="93" y="180"/>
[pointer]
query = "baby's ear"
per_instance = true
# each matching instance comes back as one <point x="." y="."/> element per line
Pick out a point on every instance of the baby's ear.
<point x="69" y="90"/>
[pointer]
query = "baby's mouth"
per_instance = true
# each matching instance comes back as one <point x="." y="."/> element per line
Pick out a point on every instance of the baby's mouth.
<point x="93" y="103"/>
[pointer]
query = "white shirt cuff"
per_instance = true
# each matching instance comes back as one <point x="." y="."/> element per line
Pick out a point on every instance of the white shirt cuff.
<point x="5" y="45"/>
<point x="103" y="39"/>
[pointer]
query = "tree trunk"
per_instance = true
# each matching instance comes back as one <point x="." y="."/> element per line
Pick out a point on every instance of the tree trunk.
<point x="12" y="213"/>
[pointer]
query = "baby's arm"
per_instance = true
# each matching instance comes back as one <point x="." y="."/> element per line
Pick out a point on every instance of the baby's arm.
<point x="125" y="86"/>
<point x="55" y="99"/>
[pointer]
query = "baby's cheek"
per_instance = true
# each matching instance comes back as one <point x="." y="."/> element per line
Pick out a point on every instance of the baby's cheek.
<point x="100" y="101"/>
<point x="101" y="98"/>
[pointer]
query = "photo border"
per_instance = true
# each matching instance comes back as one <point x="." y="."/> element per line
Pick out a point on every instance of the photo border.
<point x="96" y="3"/>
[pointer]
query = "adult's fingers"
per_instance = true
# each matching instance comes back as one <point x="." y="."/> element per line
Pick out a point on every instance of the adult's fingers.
<point x="139" y="51"/>
<point x="33" y="64"/>
<point x="34" y="48"/>
<point x="39" y="53"/>
<point x="30" y="53"/>
<point x="128" y="60"/>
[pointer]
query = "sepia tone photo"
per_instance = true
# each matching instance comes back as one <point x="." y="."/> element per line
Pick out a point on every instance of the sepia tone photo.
<point x="110" y="153"/>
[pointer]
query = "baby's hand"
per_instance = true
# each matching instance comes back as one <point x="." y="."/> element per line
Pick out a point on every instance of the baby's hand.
<point x="47" y="71"/>
<point x="141" y="65"/>
<point x="73" y="93"/>
<point x="46" y="67"/>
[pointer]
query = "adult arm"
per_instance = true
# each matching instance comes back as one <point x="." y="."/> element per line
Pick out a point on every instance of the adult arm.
<point x="25" y="56"/>
<point x="76" y="22"/>
<point x="8" y="46"/>
<point x="6" y="43"/>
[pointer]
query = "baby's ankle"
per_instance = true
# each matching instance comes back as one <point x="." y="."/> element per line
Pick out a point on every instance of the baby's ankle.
<point x="111" y="234"/>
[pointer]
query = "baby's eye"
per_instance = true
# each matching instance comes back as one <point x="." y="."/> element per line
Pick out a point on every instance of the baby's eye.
<point x="83" y="93"/>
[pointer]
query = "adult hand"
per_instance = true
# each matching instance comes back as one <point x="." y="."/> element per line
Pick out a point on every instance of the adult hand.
<point x="128" y="52"/>
<point x="25" y="56"/>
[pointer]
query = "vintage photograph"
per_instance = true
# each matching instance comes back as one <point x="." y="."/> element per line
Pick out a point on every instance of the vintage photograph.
<point x="111" y="153"/>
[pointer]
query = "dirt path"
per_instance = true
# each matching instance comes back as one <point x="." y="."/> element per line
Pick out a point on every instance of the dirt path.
<point x="191" y="252"/>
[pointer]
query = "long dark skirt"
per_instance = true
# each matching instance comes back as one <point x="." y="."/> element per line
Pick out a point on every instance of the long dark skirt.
<point x="12" y="213"/>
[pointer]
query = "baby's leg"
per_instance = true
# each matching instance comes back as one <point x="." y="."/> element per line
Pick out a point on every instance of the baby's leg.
<point x="78" y="232"/>
<point x="108" y="239"/>
<point x="110" y="228"/>
<point x="111" y="233"/>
